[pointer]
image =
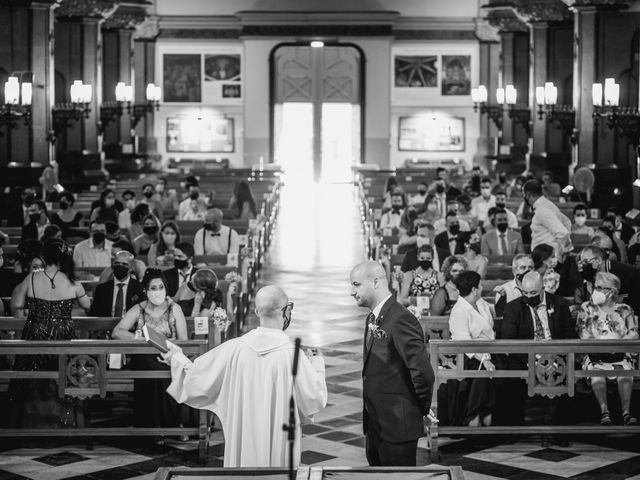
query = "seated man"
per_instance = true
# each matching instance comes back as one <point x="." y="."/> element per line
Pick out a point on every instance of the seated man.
<point x="501" y="202"/>
<point x="549" y="187"/>
<point x="96" y="250"/>
<point x="480" y="205"/>
<point x="579" y="225"/>
<point x="215" y="238"/>
<point x="501" y="240"/>
<point x="392" y="218"/>
<point x="507" y="292"/>
<point x="114" y="297"/>
<point x="450" y="242"/>
<point x="138" y="267"/>
<point x="182" y="270"/>
<point x="440" y="225"/>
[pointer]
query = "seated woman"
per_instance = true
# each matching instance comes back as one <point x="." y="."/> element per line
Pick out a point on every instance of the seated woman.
<point x="471" y="319"/>
<point x="476" y="262"/>
<point x="106" y="209"/>
<point x="169" y="238"/>
<point x="67" y="218"/>
<point x="544" y="258"/>
<point x="202" y="295"/>
<point x="138" y="214"/>
<point x="421" y="281"/>
<point x="152" y="406"/>
<point x="446" y="296"/>
<point x="243" y="202"/>
<point x="603" y="318"/>
<point x="142" y="243"/>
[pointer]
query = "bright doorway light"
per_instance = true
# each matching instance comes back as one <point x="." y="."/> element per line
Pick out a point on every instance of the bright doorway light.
<point x="294" y="141"/>
<point x="340" y="141"/>
<point x="317" y="44"/>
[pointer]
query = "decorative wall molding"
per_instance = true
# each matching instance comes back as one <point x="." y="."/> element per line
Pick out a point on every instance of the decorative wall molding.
<point x="434" y="34"/>
<point x="485" y="32"/>
<point x="613" y="4"/>
<point x="148" y="30"/>
<point x="126" y="18"/>
<point x="197" y="33"/>
<point x="502" y="17"/>
<point x="317" y="30"/>
<point x="542" y="11"/>
<point x="86" y="8"/>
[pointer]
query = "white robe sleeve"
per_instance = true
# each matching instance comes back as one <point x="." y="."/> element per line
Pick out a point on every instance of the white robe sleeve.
<point x="311" y="388"/>
<point x="198" y="383"/>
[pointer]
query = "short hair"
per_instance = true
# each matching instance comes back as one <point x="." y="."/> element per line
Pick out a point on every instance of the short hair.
<point x="594" y="250"/>
<point x="579" y="206"/>
<point x="466" y="281"/>
<point x="425" y="248"/>
<point x="51" y="231"/>
<point x="191" y="181"/>
<point x="112" y="227"/>
<point x="440" y="169"/>
<point x="609" y="279"/>
<point x="519" y="257"/>
<point x="541" y="253"/>
<point x="186" y="248"/>
<point x="129" y="192"/>
<point x="97" y="221"/>
<point x="486" y="180"/>
<point x="151" y="217"/>
<point x="450" y="262"/>
<point x="68" y="196"/>
<point x="533" y="187"/>
<point x="499" y="192"/>
<point x="397" y="194"/>
<point x="151" y="274"/>
<point x="549" y="173"/>
<point x="147" y="185"/>
<point x="610" y="218"/>
<point x="451" y="200"/>
<point x="499" y="210"/>
<point x="464" y="199"/>
<point x="423" y="183"/>
<point x="124" y="245"/>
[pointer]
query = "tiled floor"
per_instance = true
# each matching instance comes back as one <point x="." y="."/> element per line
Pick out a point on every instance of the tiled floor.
<point x="317" y="242"/>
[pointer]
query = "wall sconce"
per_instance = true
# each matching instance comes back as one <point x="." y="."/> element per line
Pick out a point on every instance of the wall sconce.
<point x="18" y="94"/>
<point x="110" y="110"/>
<point x="79" y="108"/>
<point x="521" y="114"/>
<point x="626" y="119"/>
<point x="562" y="117"/>
<point x="140" y="110"/>
<point x="479" y="96"/>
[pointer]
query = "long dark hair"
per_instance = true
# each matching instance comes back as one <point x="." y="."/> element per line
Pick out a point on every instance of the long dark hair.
<point x="206" y="280"/>
<point x="244" y="195"/>
<point x="139" y="212"/>
<point x="162" y="247"/>
<point x="103" y="196"/>
<point x="57" y="252"/>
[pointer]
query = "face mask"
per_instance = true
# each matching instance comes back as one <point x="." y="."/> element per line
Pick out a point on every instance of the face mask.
<point x="501" y="204"/>
<point x="588" y="272"/>
<point x="502" y="226"/>
<point x="286" y="320"/>
<point x="29" y="199"/>
<point x="475" y="247"/>
<point x="98" y="237"/>
<point x="34" y="217"/>
<point x="532" y="301"/>
<point x="109" y="202"/>
<point x="150" y="230"/>
<point x="580" y="221"/>
<point x="421" y="241"/>
<point x="157" y="297"/>
<point x="422" y="192"/>
<point x="120" y="272"/>
<point x="64" y="205"/>
<point x="180" y="264"/>
<point x="520" y="276"/>
<point x="159" y="188"/>
<point x="425" y="264"/>
<point x="431" y="207"/>
<point x="412" y="214"/>
<point x="599" y="298"/>
<point x="396" y="208"/>
<point x="440" y="188"/>
<point x="194" y="195"/>
<point x="454" y="229"/>
<point x="169" y="238"/>
<point x="208" y="227"/>
<point x="148" y="193"/>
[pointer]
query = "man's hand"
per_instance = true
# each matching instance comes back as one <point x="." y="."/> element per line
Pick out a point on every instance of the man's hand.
<point x="173" y="349"/>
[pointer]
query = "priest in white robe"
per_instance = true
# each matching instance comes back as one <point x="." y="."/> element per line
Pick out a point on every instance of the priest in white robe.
<point x="246" y="382"/>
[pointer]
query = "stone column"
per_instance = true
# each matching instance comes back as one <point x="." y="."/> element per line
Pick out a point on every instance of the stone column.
<point x="144" y="50"/>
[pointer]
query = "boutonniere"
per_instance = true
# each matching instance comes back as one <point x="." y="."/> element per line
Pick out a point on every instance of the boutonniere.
<point x="376" y="331"/>
<point x="550" y="311"/>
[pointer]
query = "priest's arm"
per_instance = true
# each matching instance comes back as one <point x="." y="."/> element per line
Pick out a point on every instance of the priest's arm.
<point x="311" y="388"/>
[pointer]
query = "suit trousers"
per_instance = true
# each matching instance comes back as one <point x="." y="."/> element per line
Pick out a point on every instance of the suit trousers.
<point x="385" y="454"/>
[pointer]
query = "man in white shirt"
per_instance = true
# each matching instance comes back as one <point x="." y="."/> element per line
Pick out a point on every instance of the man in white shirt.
<point x="247" y="383"/>
<point x="501" y="202"/>
<point x="393" y="217"/>
<point x="192" y="207"/>
<point x="480" y="205"/>
<point x="440" y="225"/>
<point x="215" y="238"/>
<point x="96" y="250"/>
<point x="548" y="225"/>
<point x="418" y="199"/>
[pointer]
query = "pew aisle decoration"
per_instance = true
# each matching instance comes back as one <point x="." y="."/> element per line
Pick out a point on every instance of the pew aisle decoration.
<point x="415" y="311"/>
<point x="220" y="319"/>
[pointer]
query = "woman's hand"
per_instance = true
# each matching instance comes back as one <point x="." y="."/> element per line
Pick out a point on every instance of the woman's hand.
<point x="198" y="298"/>
<point x="233" y="289"/>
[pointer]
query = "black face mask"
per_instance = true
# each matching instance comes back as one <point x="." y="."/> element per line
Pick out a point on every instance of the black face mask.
<point x="98" y="237"/>
<point x="208" y="227"/>
<point x="286" y="320"/>
<point x="34" y="217"/>
<point x="150" y="230"/>
<point x="422" y="192"/>
<point x="180" y="264"/>
<point x="396" y="208"/>
<point x="440" y="188"/>
<point x="120" y="272"/>
<point x="29" y="199"/>
<point x="454" y="229"/>
<point x="501" y="204"/>
<point x="64" y="205"/>
<point x="588" y="272"/>
<point x="520" y="276"/>
<point x="194" y="195"/>
<point x="148" y="193"/>
<point x="412" y="214"/>
<point x="425" y="264"/>
<point x="475" y="247"/>
<point x="532" y="301"/>
<point x="502" y="226"/>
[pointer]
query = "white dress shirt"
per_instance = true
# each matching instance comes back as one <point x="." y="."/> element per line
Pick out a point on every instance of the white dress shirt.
<point x="209" y="243"/>
<point x="117" y="282"/>
<point x="378" y="307"/>
<point x="440" y="225"/>
<point x="391" y="219"/>
<point x="480" y="207"/>
<point x="549" y="225"/>
<point x="512" y="219"/>
<point x="467" y="323"/>
<point x="86" y="254"/>
<point x="418" y="199"/>
<point x="124" y="219"/>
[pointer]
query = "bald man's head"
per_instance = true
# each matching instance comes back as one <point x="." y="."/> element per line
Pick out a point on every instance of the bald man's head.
<point x="270" y="301"/>
<point x="532" y="288"/>
<point x="369" y="284"/>
<point x="213" y="217"/>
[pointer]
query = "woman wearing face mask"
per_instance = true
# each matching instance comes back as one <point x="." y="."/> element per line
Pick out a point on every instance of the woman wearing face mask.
<point x="152" y="406"/>
<point x="67" y="218"/>
<point x="603" y="318"/>
<point x="475" y="261"/>
<point x="579" y="225"/>
<point x="422" y="281"/>
<point x="169" y="237"/>
<point x="430" y="211"/>
<point x="106" y="209"/>
<point x="142" y="243"/>
<point x="446" y="296"/>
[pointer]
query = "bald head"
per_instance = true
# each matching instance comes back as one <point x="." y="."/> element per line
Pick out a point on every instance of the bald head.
<point x="213" y="216"/>
<point x="532" y="282"/>
<point x="369" y="284"/>
<point x="602" y="240"/>
<point x="269" y="302"/>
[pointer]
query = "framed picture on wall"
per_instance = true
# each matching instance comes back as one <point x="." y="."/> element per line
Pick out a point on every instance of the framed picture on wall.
<point x="225" y="68"/>
<point x="416" y="71"/>
<point x="456" y="74"/>
<point x="431" y="133"/>
<point x="200" y="134"/>
<point x="182" y="74"/>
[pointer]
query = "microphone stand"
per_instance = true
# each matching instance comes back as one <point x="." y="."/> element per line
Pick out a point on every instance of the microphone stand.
<point x="290" y="428"/>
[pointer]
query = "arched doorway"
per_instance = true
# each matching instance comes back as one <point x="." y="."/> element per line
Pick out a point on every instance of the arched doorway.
<point x="317" y="110"/>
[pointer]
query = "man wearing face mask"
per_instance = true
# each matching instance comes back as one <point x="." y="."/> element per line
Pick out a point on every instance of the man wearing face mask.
<point x="502" y="240"/>
<point x="38" y="221"/>
<point x="449" y="242"/>
<point x="480" y="205"/>
<point x="505" y="293"/>
<point x="193" y="207"/>
<point x="418" y="199"/>
<point x="440" y="198"/>
<point x="548" y="225"/>
<point x="215" y="238"/>
<point x="440" y="225"/>
<point x="393" y="217"/>
<point x="536" y="315"/>
<point x="182" y="270"/>
<point x="251" y="376"/>
<point x="114" y="297"/>
<point x="148" y="192"/>
<point x="19" y="215"/>
<point x="166" y="200"/>
<point x="501" y="203"/>
<point x="95" y="251"/>
<point x="592" y="259"/>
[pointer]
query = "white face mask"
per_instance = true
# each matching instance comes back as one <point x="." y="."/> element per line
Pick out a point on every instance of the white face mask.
<point x="580" y="221"/>
<point x="598" y="298"/>
<point x="157" y="297"/>
<point x="109" y="202"/>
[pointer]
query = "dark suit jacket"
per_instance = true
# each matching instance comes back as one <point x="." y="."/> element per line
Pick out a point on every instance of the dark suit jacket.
<point x="103" y="297"/>
<point x="629" y="280"/>
<point x="397" y="377"/>
<point x="173" y="280"/>
<point x="441" y="243"/>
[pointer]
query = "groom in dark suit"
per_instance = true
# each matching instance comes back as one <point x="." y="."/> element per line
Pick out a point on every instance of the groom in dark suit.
<point x="450" y="242"/>
<point x="114" y="297"/>
<point x="397" y="376"/>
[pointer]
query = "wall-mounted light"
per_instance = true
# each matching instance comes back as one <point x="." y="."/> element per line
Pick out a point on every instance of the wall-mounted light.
<point x="521" y="114"/>
<point x="562" y="117"/>
<point x="63" y="114"/>
<point x="480" y="96"/>
<point x="109" y="111"/>
<point x="140" y="110"/>
<point x="18" y="91"/>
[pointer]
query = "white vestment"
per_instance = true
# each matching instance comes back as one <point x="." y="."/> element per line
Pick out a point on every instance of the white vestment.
<point x="246" y="382"/>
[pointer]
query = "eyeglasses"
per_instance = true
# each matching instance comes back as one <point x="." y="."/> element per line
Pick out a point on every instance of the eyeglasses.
<point x="600" y="288"/>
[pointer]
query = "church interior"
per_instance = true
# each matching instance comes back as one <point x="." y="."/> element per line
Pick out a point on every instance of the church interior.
<point x="228" y="145"/>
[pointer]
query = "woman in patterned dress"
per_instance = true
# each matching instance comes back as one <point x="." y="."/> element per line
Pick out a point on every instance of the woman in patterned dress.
<point x="422" y="281"/>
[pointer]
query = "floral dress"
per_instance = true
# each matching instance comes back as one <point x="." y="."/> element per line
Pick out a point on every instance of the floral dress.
<point x="424" y="284"/>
